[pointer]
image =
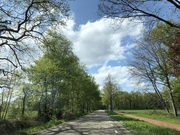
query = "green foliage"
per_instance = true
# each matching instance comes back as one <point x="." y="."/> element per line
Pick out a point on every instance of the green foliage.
<point x="176" y="86"/>
<point x="169" y="36"/>
<point x="64" y="85"/>
<point x="110" y="92"/>
<point x="58" y="87"/>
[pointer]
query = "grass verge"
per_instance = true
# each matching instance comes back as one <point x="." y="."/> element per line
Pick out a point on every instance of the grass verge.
<point x="41" y="127"/>
<point x="35" y="129"/>
<point x="138" y="127"/>
<point x="153" y="114"/>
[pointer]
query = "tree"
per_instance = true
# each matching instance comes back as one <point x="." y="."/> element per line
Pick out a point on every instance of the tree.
<point x="22" y="21"/>
<point x="52" y="72"/>
<point x="122" y="100"/>
<point x="148" y="11"/>
<point x="151" y="65"/>
<point x="7" y="93"/>
<point x="110" y="91"/>
<point x="64" y="88"/>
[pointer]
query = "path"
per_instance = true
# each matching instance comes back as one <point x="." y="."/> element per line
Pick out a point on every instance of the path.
<point x="155" y="122"/>
<point x="97" y="123"/>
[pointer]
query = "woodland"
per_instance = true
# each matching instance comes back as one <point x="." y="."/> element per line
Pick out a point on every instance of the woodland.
<point x="57" y="86"/>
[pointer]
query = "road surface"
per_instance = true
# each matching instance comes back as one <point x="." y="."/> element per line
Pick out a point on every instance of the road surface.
<point x="96" y="123"/>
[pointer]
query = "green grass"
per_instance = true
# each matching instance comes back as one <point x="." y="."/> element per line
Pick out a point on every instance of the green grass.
<point x="138" y="127"/>
<point x="153" y="114"/>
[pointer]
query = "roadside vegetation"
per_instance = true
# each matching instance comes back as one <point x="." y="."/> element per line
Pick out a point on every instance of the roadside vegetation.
<point x="34" y="129"/>
<point x="55" y="87"/>
<point x="37" y="126"/>
<point x="138" y="127"/>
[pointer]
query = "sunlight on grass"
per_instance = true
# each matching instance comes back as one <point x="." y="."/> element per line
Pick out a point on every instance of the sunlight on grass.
<point x="138" y="127"/>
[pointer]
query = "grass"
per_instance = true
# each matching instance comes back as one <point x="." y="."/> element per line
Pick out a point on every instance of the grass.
<point x="35" y="129"/>
<point x="41" y="127"/>
<point x="153" y="114"/>
<point x="138" y="127"/>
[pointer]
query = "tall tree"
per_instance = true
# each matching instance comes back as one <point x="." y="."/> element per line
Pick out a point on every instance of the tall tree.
<point x="151" y="64"/>
<point x="64" y="86"/>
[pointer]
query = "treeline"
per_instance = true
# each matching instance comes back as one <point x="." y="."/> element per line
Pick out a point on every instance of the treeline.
<point x="113" y="97"/>
<point x="136" y="100"/>
<point x="56" y="86"/>
<point x="62" y="85"/>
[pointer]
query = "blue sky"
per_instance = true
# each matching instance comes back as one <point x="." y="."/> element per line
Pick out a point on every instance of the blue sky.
<point x="84" y="10"/>
<point x="103" y="45"/>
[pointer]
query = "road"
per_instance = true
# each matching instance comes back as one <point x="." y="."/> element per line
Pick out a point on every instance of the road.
<point x="96" y="123"/>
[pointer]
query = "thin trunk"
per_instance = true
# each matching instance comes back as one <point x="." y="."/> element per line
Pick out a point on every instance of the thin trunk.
<point x="46" y="100"/>
<point x="39" y="105"/>
<point x="171" y="97"/>
<point x="8" y="103"/>
<point x="2" y="103"/>
<point x="111" y="103"/>
<point x="152" y="79"/>
<point x="160" y="98"/>
<point x="23" y="104"/>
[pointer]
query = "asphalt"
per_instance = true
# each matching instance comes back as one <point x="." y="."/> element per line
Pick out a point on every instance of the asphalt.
<point x="96" y="123"/>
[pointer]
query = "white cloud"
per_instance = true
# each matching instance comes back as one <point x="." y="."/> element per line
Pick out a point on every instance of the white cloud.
<point x="96" y="43"/>
<point x="122" y="76"/>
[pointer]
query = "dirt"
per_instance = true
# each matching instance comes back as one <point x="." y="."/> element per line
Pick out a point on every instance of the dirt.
<point x="155" y="122"/>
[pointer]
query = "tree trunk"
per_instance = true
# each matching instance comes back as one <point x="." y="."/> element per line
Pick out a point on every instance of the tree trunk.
<point x="23" y="105"/>
<point x="24" y="101"/>
<point x="111" y="103"/>
<point x="171" y="97"/>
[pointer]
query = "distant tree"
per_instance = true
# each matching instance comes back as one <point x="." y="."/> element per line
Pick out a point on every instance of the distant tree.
<point x="110" y="91"/>
<point x="122" y="100"/>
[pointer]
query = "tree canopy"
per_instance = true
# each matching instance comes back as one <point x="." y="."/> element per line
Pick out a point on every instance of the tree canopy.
<point x="63" y="85"/>
<point x="22" y="21"/>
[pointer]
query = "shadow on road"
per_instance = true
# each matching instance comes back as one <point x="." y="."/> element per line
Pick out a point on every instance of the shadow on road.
<point x="97" y="123"/>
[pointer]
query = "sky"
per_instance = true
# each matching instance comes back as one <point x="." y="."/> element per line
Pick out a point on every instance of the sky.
<point x="104" y="45"/>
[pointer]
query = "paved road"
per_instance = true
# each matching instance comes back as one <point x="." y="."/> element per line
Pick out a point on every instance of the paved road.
<point x="97" y="123"/>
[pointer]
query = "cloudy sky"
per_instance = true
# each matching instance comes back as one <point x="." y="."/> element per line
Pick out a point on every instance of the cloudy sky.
<point x="103" y="45"/>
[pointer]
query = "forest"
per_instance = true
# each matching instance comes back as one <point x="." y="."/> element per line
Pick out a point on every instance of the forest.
<point x="56" y="85"/>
